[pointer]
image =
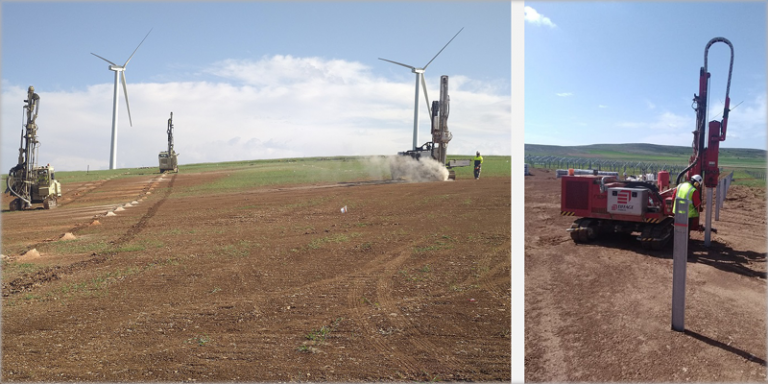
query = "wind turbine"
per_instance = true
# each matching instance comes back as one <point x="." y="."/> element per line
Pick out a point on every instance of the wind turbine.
<point x="420" y="78"/>
<point x="119" y="72"/>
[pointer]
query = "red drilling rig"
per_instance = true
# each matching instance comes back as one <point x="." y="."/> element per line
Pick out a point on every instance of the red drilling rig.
<point x="605" y="204"/>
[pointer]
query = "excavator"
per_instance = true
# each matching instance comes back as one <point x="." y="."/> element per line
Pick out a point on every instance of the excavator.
<point x="28" y="182"/>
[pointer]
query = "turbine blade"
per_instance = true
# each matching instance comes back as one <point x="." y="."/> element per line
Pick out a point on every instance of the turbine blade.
<point x="103" y="58"/>
<point x="127" y="104"/>
<point x="446" y="44"/>
<point x="137" y="48"/>
<point x="424" y="86"/>
<point x="395" y="62"/>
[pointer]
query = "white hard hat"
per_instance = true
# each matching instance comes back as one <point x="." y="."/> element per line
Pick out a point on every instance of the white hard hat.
<point x="696" y="179"/>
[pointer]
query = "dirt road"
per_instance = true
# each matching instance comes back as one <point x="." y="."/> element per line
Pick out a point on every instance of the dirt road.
<point x="269" y="284"/>
<point x="602" y="311"/>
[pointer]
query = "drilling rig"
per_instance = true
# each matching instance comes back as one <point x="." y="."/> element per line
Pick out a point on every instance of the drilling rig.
<point x="167" y="158"/>
<point x="29" y="183"/>
<point x="436" y="149"/>
<point x="606" y="204"/>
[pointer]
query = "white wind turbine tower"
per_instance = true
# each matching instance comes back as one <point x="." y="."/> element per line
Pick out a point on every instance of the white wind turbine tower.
<point x="420" y="78"/>
<point x="119" y="72"/>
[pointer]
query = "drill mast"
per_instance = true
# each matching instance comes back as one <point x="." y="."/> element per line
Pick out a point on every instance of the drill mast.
<point x="21" y="177"/>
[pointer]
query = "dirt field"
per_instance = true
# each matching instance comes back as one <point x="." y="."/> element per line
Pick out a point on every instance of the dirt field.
<point x="602" y="311"/>
<point x="271" y="284"/>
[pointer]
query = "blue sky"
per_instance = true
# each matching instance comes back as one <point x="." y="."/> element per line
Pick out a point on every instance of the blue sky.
<point x="626" y="72"/>
<point x="251" y="80"/>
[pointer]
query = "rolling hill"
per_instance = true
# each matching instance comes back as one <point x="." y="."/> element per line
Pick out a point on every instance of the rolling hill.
<point x="733" y="157"/>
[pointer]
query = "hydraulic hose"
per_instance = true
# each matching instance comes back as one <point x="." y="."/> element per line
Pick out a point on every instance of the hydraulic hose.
<point x="702" y="109"/>
<point x="8" y="186"/>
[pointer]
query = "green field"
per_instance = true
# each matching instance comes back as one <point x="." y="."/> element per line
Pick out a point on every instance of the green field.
<point x="260" y="173"/>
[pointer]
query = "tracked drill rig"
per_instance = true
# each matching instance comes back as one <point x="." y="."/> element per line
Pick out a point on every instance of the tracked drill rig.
<point x="437" y="149"/>
<point x="29" y="183"/>
<point x="605" y="204"/>
<point x="167" y="158"/>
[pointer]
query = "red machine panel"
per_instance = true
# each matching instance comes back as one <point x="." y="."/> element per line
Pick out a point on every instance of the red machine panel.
<point x="711" y="170"/>
<point x="581" y="196"/>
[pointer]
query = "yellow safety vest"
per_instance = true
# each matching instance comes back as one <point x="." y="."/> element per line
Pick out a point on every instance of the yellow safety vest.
<point x="685" y="191"/>
<point x="478" y="160"/>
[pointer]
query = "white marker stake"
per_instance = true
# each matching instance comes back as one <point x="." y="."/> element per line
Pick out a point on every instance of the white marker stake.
<point x="679" y="261"/>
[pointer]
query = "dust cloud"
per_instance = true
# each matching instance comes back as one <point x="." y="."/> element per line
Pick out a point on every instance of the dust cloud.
<point x="405" y="168"/>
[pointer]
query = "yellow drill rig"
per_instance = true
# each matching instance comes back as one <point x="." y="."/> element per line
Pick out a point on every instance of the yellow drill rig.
<point x="28" y="182"/>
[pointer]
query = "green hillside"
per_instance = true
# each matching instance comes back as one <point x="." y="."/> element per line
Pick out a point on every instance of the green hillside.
<point x="729" y="157"/>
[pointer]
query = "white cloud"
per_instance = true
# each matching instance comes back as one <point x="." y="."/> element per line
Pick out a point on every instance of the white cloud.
<point x="275" y="107"/>
<point x="602" y="106"/>
<point x="650" y="104"/>
<point x="536" y="18"/>
<point x="748" y="121"/>
<point x="564" y="94"/>
<point x="666" y="121"/>
<point x="746" y="126"/>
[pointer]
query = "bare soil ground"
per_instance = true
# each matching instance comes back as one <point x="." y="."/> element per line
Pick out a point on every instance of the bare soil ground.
<point x="269" y="284"/>
<point x="602" y="311"/>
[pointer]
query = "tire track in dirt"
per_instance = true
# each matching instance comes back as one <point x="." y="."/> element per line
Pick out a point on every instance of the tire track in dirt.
<point x="416" y="338"/>
<point x="139" y="226"/>
<point x="496" y="282"/>
<point x="28" y="283"/>
<point x="73" y="195"/>
<point x="369" y="329"/>
<point x="543" y="320"/>
<point x="100" y="209"/>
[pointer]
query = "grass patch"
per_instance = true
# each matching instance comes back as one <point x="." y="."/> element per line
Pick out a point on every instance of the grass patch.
<point x="341" y="238"/>
<point x="76" y="246"/>
<point x="98" y="282"/>
<point x="131" y="248"/>
<point x="23" y="268"/>
<point x="365" y="246"/>
<point x="101" y="281"/>
<point x="493" y="166"/>
<point x="418" y="274"/>
<point x="462" y="288"/>
<point x="200" y="340"/>
<point x="142" y="245"/>
<point x="241" y="249"/>
<point x="438" y="242"/>
<point x="318" y="336"/>
<point x="365" y="300"/>
<point x="261" y="173"/>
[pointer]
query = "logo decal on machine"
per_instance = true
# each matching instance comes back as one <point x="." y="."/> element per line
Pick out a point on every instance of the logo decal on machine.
<point x="624" y="197"/>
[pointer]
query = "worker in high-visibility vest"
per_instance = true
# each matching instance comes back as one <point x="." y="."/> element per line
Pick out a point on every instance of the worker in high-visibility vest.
<point x="690" y="190"/>
<point x="478" y="164"/>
